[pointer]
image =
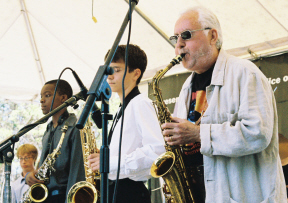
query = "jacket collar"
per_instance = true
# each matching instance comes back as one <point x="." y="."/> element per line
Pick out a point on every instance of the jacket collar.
<point x="219" y="69"/>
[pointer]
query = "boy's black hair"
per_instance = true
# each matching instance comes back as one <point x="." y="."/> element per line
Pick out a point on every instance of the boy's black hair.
<point x="63" y="87"/>
<point x="136" y="58"/>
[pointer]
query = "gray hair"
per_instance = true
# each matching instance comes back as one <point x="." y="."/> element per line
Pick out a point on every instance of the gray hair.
<point x="208" y="19"/>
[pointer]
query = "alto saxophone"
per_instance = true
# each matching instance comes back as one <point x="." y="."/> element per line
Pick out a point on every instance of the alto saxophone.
<point x="170" y="165"/>
<point x="38" y="192"/>
<point x="85" y="191"/>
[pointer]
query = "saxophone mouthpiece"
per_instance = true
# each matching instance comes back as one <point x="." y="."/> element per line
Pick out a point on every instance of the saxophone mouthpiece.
<point x="177" y="59"/>
<point x="183" y="55"/>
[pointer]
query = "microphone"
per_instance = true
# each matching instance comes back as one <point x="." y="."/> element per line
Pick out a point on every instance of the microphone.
<point x="95" y="113"/>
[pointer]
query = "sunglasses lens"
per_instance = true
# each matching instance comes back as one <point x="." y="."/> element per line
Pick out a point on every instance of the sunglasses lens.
<point x="173" y="39"/>
<point x="186" y="35"/>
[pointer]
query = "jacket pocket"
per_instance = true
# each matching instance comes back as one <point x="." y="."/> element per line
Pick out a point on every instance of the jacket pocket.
<point x="269" y="199"/>
<point x="272" y="199"/>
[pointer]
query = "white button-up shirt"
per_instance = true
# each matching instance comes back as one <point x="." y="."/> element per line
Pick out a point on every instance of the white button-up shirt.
<point x="18" y="188"/>
<point x="142" y="141"/>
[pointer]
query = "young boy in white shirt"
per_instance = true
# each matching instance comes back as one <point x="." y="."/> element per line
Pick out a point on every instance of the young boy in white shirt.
<point x="142" y="140"/>
<point x="27" y="154"/>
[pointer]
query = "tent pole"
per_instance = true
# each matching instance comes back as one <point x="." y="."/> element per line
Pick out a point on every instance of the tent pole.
<point x="33" y="42"/>
<point x="152" y="24"/>
<point x="272" y="16"/>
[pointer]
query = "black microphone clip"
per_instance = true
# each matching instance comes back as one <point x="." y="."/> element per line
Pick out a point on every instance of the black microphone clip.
<point x="96" y="112"/>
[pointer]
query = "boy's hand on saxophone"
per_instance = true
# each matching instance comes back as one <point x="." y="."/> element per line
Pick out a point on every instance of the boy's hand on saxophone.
<point x="30" y="178"/>
<point x="94" y="161"/>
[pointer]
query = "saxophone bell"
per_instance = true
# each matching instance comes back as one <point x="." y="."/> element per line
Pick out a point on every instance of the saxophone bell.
<point x="38" y="192"/>
<point x="82" y="192"/>
<point x="163" y="164"/>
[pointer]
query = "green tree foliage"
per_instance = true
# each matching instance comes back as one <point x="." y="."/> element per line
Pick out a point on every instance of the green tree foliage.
<point x="14" y="116"/>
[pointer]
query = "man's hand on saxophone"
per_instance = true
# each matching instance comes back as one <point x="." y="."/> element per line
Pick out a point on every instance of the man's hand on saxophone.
<point x="31" y="179"/>
<point x="94" y="161"/>
<point x="180" y="132"/>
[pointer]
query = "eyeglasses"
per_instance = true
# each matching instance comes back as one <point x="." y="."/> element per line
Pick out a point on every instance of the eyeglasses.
<point x="187" y="34"/>
<point x="25" y="158"/>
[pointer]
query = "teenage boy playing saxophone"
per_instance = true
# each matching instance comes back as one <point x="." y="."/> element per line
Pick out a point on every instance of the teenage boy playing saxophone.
<point x="142" y="140"/>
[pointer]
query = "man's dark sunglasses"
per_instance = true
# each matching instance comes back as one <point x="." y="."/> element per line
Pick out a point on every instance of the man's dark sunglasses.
<point x="187" y="34"/>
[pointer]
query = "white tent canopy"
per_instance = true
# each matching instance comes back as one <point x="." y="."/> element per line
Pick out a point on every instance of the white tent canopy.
<point x="38" y="39"/>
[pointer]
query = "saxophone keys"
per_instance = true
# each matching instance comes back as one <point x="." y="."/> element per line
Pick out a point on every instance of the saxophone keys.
<point x="166" y="189"/>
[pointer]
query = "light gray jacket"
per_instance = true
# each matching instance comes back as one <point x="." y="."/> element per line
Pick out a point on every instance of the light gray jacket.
<point x="239" y="134"/>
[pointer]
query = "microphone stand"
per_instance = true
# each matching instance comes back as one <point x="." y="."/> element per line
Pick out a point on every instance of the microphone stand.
<point x="100" y="88"/>
<point x="7" y="158"/>
<point x="7" y="145"/>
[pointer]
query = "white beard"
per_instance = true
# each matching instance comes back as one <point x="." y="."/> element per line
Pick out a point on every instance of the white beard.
<point x="200" y="59"/>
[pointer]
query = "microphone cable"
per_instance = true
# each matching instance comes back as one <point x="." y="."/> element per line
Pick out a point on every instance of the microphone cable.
<point x="51" y="107"/>
<point x="123" y="104"/>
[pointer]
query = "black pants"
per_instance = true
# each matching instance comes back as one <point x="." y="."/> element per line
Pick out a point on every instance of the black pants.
<point x="285" y="171"/>
<point x="56" y="196"/>
<point x="56" y="199"/>
<point x="129" y="191"/>
<point x="197" y="183"/>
